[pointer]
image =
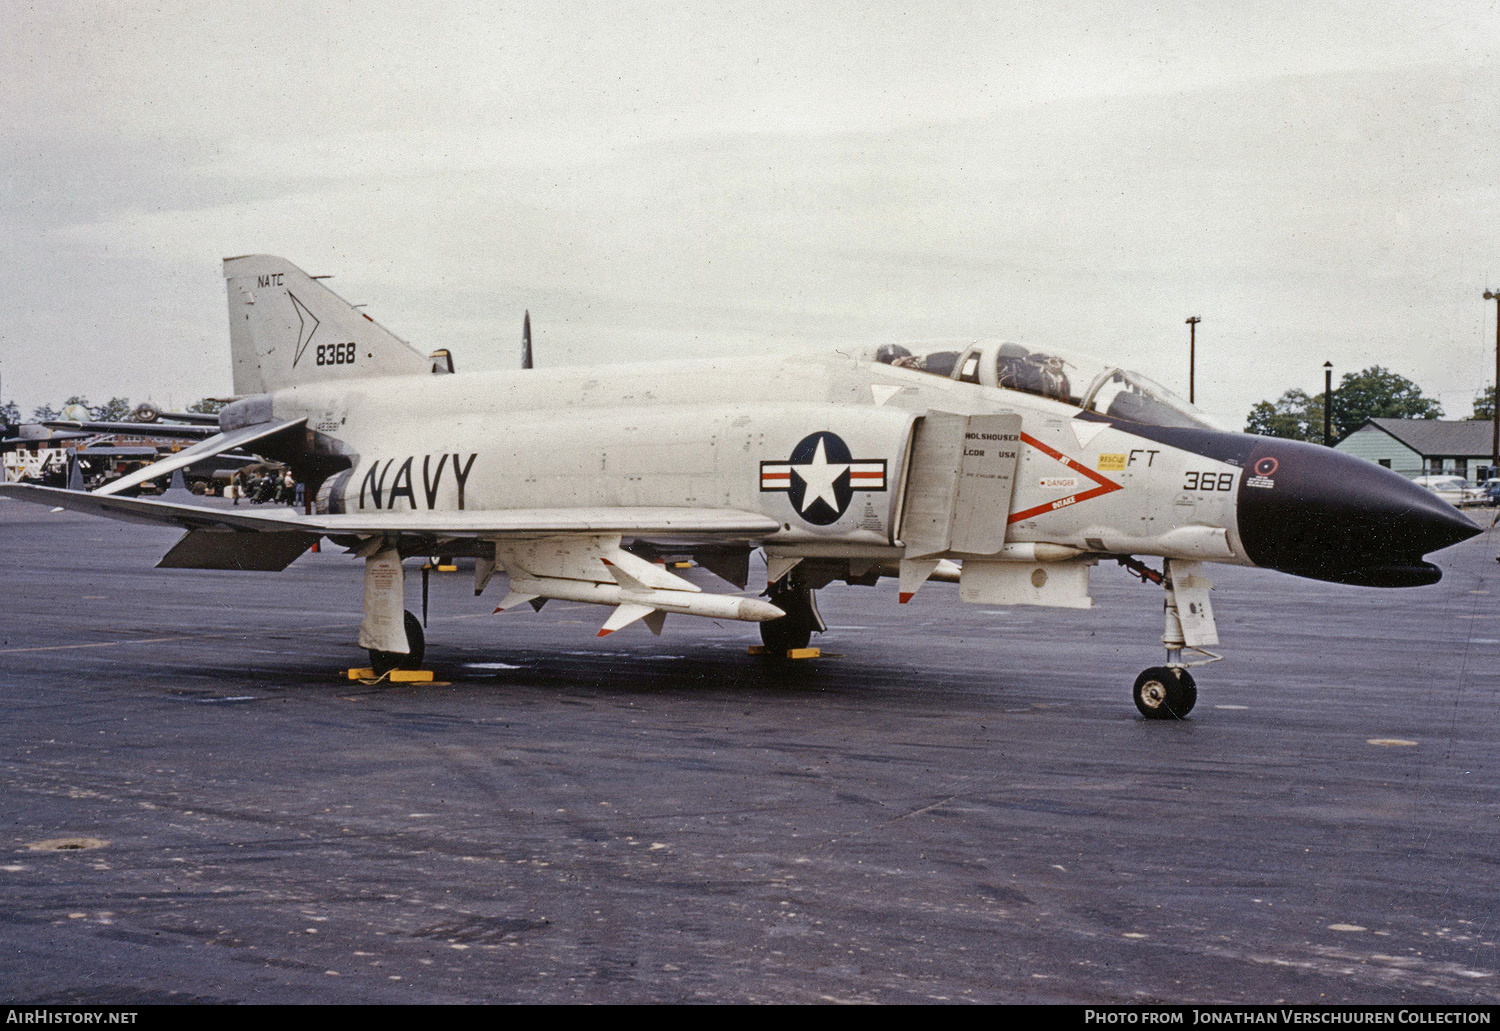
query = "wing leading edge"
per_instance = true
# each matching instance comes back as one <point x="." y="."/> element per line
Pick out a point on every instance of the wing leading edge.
<point x="709" y="523"/>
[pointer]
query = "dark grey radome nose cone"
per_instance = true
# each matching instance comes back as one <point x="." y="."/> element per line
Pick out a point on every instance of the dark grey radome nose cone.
<point x="1316" y="512"/>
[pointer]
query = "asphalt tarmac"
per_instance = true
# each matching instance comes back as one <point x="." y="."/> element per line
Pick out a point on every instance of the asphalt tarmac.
<point x="954" y="803"/>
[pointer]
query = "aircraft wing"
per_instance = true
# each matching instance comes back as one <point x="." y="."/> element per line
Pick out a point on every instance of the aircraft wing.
<point x="213" y="445"/>
<point x="691" y="523"/>
<point x="554" y="552"/>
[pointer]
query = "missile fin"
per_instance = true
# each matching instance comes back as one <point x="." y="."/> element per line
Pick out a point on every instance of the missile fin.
<point x="513" y="599"/>
<point x="623" y="616"/>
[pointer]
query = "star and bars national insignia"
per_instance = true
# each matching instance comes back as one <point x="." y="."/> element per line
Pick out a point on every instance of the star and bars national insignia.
<point x="821" y="477"/>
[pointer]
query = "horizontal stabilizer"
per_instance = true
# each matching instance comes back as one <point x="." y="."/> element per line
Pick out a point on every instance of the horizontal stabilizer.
<point x="214" y="445"/>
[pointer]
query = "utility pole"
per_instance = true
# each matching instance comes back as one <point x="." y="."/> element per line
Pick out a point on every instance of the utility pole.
<point x="1490" y="295"/>
<point x="1192" y="325"/>
<point x="1328" y="404"/>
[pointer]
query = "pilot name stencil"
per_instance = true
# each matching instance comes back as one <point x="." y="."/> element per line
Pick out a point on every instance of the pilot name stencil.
<point x="411" y="482"/>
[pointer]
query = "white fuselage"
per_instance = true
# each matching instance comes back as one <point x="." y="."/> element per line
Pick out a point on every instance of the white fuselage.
<point x="697" y="434"/>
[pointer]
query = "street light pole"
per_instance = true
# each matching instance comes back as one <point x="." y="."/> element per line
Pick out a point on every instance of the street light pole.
<point x="1328" y="404"/>
<point x="1192" y="325"/>
<point x="1490" y="295"/>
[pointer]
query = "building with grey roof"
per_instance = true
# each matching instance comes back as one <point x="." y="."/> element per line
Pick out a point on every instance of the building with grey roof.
<point x="1417" y="446"/>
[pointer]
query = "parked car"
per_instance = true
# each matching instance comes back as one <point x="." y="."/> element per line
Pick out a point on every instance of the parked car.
<point x="1453" y="489"/>
<point x="1491" y="491"/>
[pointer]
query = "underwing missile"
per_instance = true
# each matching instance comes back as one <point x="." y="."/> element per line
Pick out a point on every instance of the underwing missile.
<point x="714" y="606"/>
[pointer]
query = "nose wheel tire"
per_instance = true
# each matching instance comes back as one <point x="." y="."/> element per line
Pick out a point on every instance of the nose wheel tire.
<point x="1165" y="693"/>
<point x="383" y="662"/>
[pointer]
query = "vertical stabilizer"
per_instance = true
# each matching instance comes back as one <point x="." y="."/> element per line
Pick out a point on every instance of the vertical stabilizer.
<point x="286" y="328"/>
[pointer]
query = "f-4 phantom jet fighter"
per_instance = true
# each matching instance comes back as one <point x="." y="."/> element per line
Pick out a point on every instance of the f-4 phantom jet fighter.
<point x="1009" y="469"/>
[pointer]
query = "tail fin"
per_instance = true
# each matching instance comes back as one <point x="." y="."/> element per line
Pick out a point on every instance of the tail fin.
<point x="286" y="328"/>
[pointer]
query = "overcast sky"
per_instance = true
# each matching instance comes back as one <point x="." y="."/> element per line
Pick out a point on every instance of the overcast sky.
<point x="654" y="180"/>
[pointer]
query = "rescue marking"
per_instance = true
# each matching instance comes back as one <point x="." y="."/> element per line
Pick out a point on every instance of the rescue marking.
<point x="822" y="476"/>
<point x="1264" y="469"/>
<point x="1105" y="485"/>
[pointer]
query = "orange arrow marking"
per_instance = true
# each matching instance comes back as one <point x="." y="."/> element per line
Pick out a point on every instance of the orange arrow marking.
<point x="1105" y="485"/>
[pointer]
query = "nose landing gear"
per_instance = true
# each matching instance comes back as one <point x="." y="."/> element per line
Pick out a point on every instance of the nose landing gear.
<point x="1169" y="692"/>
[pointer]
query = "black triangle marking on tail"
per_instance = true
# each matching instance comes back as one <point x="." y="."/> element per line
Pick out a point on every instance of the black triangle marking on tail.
<point x="304" y="335"/>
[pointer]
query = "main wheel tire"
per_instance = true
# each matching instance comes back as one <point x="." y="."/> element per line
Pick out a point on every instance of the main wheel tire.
<point x="784" y="634"/>
<point x="383" y="662"/>
<point x="795" y="629"/>
<point x="1165" y="693"/>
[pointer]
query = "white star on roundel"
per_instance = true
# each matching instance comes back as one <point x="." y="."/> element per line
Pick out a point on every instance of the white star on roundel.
<point x="818" y="478"/>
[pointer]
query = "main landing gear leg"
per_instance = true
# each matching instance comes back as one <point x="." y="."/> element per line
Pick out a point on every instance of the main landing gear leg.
<point x="1169" y="692"/>
<point x="391" y="635"/>
<point x="802" y="619"/>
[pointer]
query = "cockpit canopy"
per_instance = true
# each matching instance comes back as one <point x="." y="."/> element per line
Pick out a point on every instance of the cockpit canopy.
<point x="1074" y="379"/>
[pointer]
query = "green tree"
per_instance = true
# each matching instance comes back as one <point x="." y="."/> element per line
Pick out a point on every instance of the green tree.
<point x="43" y="413"/>
<point x="207" y="406"/>
<point x="1484" y="404"/>
<point x="10" y="413"/>
<point x="1373" y="392"/>
<point x="1378" y="393"/>
<point x="1294" y="415"/>
<point x="116" y="409"/>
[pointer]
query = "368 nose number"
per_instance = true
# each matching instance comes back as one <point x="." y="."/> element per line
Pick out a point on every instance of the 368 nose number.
<point x="1209" y="481"/>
